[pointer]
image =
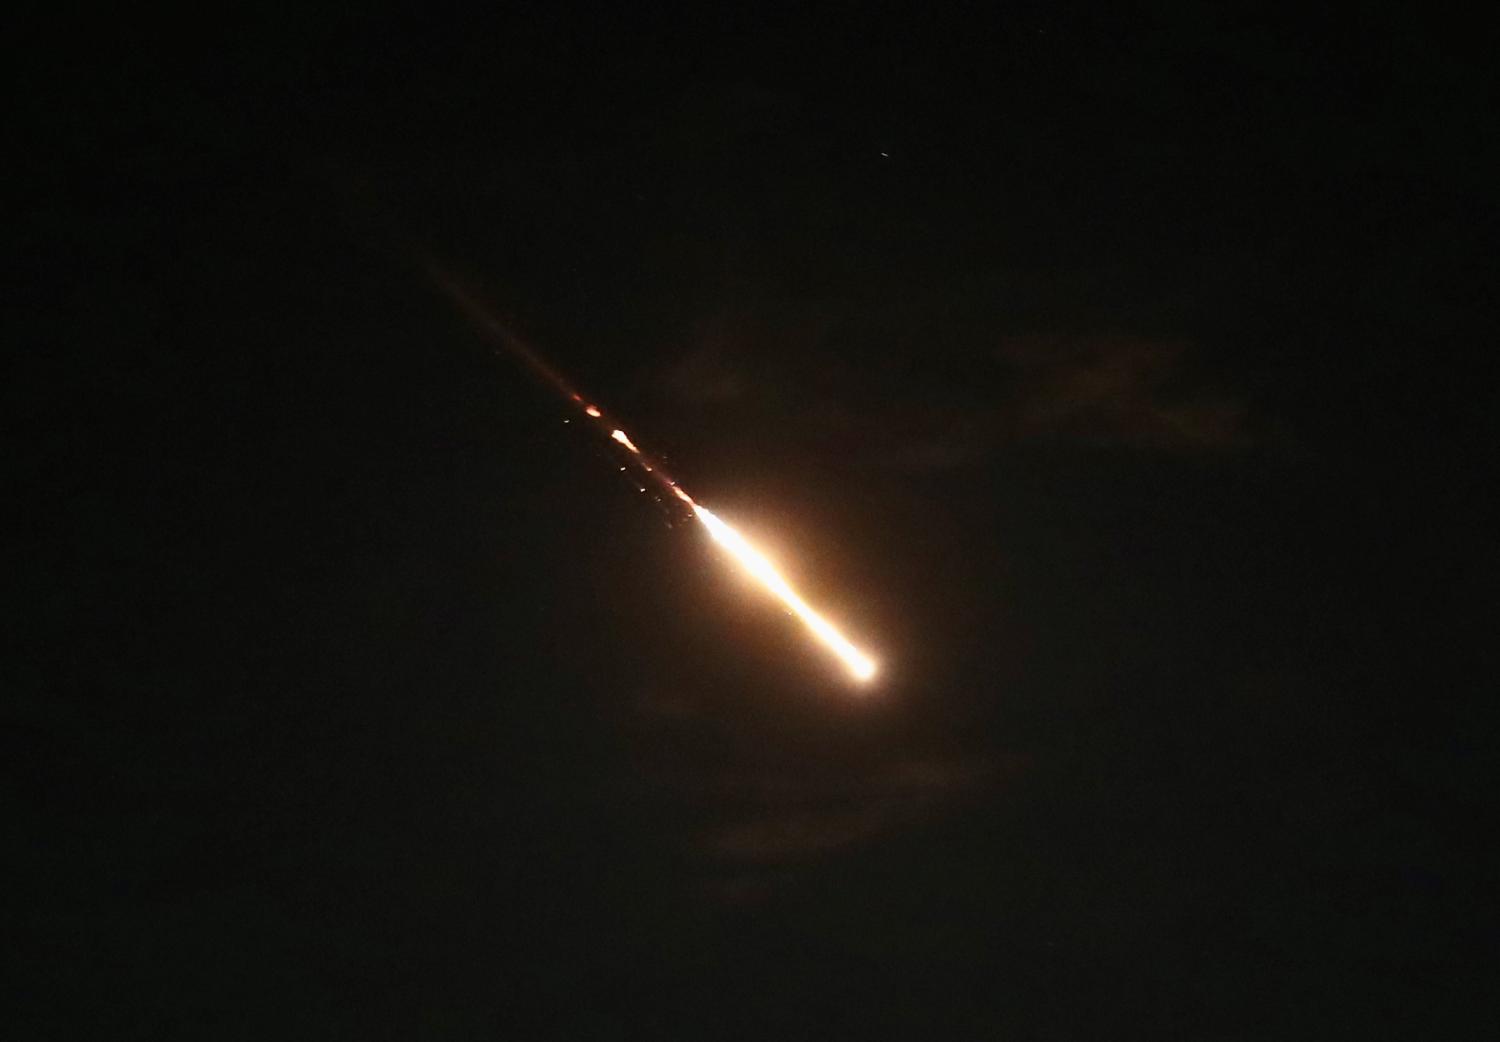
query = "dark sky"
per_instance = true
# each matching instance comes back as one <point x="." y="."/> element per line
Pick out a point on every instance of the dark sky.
<point x="1112" y="375"/>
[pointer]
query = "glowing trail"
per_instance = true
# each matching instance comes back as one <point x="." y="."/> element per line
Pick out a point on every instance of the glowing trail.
<point x="754" y="562"/>
<point x="859" y="664"/>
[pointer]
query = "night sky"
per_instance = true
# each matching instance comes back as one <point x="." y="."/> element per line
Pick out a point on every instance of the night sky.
<point x="1111" y="374"/>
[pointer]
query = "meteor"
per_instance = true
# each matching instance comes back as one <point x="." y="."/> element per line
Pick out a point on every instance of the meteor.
<point x="755" y="564"/>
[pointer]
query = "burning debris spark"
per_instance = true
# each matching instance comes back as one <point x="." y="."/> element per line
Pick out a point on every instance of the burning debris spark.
<point x="860" y="665"/>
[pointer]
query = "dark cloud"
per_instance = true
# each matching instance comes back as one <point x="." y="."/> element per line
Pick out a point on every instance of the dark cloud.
<point x="759" y="815"/>
<point x="1115" y="391"/>
<point x="1118" y="390"/>
<point x="795" y="817"/>
<point x="707" y="376"/>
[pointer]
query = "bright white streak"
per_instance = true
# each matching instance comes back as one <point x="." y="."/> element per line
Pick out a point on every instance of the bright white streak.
<point x="754" y="562"/>
<point x="623" y="439"/>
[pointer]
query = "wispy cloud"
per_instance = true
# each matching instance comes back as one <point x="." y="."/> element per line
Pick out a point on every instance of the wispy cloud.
<point x="1123" y="389"/>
